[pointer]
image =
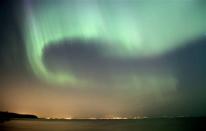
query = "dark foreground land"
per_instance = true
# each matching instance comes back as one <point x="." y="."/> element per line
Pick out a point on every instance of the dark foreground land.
<point x="155" y="124"/>
<point x="6" y="116"/>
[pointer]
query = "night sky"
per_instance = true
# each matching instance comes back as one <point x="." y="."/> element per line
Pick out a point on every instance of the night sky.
<point x="92" y="58"/>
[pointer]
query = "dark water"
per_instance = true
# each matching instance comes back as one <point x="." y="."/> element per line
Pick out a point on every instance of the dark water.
<point x="180" y="124"/>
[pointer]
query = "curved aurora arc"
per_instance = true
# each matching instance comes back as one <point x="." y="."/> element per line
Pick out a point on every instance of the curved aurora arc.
<point x="134" y="29"/>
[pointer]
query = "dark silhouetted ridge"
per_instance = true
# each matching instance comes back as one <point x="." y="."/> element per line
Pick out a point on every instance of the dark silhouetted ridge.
<point x="5" y="116"/>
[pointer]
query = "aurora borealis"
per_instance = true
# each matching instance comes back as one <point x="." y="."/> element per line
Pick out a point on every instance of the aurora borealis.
<point x="126" y="29"/>
<point x="100" y="58"/>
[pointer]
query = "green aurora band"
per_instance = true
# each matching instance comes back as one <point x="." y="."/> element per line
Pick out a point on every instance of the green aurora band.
<point x="133" y="28"/>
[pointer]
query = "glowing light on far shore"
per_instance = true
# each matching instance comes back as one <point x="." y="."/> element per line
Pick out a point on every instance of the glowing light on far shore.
<point x="68" y="118"/>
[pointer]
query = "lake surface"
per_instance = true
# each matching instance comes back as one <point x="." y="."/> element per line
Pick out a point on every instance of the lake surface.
<point x="172" y="124"/>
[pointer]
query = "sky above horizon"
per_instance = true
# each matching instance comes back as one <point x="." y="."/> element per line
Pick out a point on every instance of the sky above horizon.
<point x="92" y="58"/>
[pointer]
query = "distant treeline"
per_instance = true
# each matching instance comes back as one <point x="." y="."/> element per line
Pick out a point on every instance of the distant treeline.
<point x="5" y="116"/>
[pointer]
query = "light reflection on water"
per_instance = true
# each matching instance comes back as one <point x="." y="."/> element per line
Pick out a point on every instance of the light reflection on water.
<point x="103" y="125"/>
